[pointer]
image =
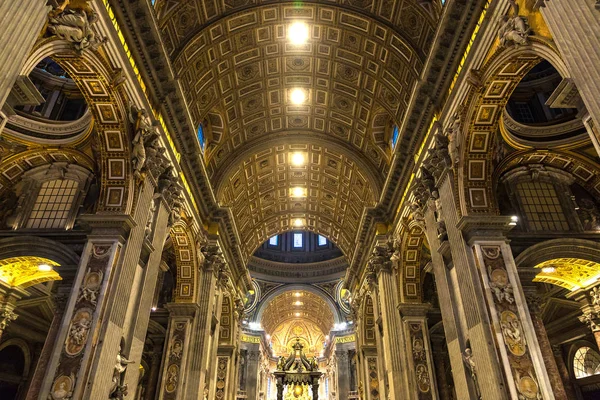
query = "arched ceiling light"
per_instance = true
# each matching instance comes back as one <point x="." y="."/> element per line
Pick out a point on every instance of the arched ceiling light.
<point x="298" y="191"/>
<point x="45" y="267"/>
<point x="298" y="159"/>
<point x="298" y="33"/>
<point x="298" y="223"/>
<point x="297" y="314"/>
<point x="298" y="96"/>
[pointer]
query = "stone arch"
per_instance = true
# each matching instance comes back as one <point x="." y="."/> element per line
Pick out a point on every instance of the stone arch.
<point x="410" y="280"/>
<point x="46" y="248"/>
<point x="24" y="347"/>
<point x="500" y="75"/>
<point x="264" y="302"/>
<point x="94" y="76"/>
<point x="585" y="172"/>
<point x="185" y="250"/>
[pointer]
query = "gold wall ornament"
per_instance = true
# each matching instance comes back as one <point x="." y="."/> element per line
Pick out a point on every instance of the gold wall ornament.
<point x="27" y="271"/>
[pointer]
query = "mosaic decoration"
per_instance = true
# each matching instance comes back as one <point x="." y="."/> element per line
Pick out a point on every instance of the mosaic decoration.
<point x="83" y="321"/>
<point x="506" y="313"/>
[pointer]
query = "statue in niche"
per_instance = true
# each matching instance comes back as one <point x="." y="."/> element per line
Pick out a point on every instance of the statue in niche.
<point x="514" y="29"/>
<point x="72" y="21"/>
<point x="440" y="223"/>
<point x="470" y="363"/>
<point x="143" y="128"/>
<point x="454" y="137"/>
<point x="119" y="390"/>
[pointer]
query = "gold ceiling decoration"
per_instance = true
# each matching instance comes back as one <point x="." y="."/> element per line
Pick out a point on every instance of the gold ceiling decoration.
<point x="570" y="273"/>
<point x="27" y="271"/>
<point x="258" y="192"/>
<point x="283" y="309"/>
<point x="238" y="70"/>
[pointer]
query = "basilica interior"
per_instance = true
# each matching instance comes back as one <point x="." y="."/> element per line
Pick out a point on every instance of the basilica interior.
<point x="300" y="200"/>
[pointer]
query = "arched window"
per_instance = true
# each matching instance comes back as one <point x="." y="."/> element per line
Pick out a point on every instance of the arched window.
<point x="395" y="134"/>
<point x="53" y="204"/>
<point x="201" y="138"/>
<point x="586" y="362"/>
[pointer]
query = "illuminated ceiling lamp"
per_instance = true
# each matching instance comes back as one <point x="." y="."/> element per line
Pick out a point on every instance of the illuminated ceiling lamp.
<point x="298" y="96"/>
<point x="298" y="191"/>
<point x="297" y="159"/>
<point x="298" y="33"/>
<point x="298" y="222"/>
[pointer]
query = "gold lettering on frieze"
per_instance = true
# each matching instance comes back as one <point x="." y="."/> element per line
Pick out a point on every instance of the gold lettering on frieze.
<point x="346" y="339"/>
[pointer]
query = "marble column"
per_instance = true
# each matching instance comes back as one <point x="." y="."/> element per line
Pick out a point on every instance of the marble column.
<point x="533" y="303"/>
<point x="421" y="380"/>
<point x="343" y="373"/>
<point x="575" y="28"/>
<point x="140" y="307"/>
<point x="252" y="369"/>
<point x="516" y="341"/>
<point x="60" y="300"/>
<point x="394" y="345"/>
<point x="455" y="324"/>
<point x="565" y="376"/>
<point x="473" y="315"/>
<point x="440" y="364"/>
<point x="178" y="351"/>
<point x="154" y="372"/>
<point x="202" y="343"/>
<point x="102" y="299"/>
<point x="20" y="24"/>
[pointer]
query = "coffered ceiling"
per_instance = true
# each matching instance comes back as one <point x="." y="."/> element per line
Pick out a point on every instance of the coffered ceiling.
<point x="297" y="306"/>
<point x="237" y="69"/>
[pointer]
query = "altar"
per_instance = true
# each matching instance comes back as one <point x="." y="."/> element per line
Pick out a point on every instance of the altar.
<point x="299" y="374"/>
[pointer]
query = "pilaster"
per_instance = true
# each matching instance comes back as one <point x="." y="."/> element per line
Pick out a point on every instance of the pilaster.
<point x="421" y="382"/>
<point x="20" y="24"/>
<point x="575" y="28"/>
<point x="394" y="345"/>
<point x="515" y="337"/>
<point x="177" y="353"/>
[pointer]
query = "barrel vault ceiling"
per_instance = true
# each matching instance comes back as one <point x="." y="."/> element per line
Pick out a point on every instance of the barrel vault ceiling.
<point x="237" y="69"/>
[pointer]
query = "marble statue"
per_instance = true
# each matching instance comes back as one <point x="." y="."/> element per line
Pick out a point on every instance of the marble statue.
<point x="119" y="391"/>
<point x="74" y="24"/>
<point x="514" y="29"/>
